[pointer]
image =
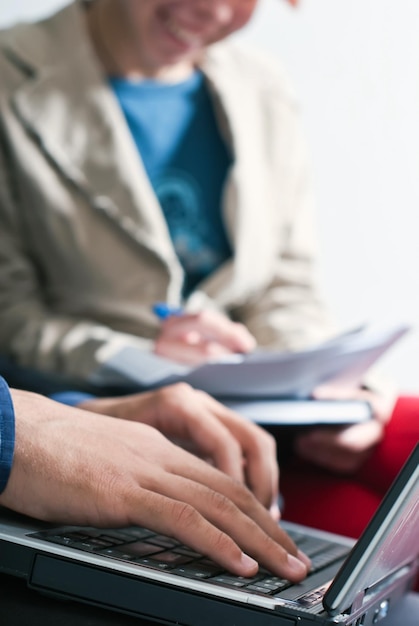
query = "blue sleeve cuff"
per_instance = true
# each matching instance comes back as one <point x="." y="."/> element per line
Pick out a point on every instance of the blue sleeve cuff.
<point x="71" y="398"/>
<point x="7" y="433"/>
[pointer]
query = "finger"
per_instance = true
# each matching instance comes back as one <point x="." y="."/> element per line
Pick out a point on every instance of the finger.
<point x="222" y="513"/>
<point x="326" y="456"/>
<point x="356" y="437"/>
<point x="234" y="445"/>
<point x="212" y="326"/>
<point x="339" y="392"/>
<point x="210" y="436"/>
<point x="262" y="472"/>
<point x="342" y="449"/>
<point x="188" y="466"/>
<point x="334" y="392"/>
<point x="183" y="464"/>
<point x="381" y="405"/>
<point x="187" y="416"/>
<point x="138" y="466"/>
<point x="214" y="441"/>
<point x="360" y="436"/>
<point x="258" y="449"/>
<point x="190" y="353"/>
<point x="183" y="522"/>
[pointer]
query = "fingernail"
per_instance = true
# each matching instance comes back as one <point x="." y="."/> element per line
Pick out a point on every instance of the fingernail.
<point x="275" y="512"/>
<point x="248" y="563"/>
<point x="305" y="559"/>
<point x="296" y="566"/>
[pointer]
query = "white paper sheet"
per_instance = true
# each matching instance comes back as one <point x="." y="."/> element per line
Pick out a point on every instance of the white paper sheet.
<point x="263" y="374"/>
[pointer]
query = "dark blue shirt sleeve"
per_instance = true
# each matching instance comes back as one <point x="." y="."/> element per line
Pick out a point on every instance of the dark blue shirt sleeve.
<point x="7" y="433"/>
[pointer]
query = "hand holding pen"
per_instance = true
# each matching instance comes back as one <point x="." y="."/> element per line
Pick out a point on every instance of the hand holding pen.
<point x="195" y="338"/>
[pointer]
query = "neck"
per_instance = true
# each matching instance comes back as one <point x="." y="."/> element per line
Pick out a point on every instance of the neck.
<point x="118" y="51"/>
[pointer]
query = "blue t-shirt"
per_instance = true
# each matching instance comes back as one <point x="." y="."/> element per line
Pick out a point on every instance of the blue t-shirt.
<point x="187" y="161"/>
<point x="7" y="433"/>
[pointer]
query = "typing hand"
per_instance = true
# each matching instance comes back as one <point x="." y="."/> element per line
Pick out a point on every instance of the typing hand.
<point x="74" y="467"/>
<point x="345" y="449"/>
<point x="197" y="338"/>
<point x="192" y="418"/>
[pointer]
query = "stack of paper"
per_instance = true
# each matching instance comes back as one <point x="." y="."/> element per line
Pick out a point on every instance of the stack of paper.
<point x="265" y="375"/>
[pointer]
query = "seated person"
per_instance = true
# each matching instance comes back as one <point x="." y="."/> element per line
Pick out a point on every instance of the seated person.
<point x="142" y="159"/>
<point x="135" y="174"/>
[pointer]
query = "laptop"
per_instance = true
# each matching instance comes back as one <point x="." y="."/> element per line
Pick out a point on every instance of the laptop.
<point x="139" y="572"/>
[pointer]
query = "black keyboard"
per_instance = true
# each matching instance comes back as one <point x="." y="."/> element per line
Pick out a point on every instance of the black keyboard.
<point x="149" y="549"/>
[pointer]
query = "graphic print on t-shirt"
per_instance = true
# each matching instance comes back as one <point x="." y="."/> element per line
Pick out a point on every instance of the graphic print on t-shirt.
<point x="197" y="242"/>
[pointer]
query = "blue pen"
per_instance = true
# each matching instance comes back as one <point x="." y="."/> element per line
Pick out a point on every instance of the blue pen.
<point x="164" y="311"/>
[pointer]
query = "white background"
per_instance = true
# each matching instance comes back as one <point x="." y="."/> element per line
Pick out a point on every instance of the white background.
<point x="355" y="65"/>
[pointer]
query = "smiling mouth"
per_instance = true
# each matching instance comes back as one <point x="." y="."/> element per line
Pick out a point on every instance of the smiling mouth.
<point x="182" y="34"/>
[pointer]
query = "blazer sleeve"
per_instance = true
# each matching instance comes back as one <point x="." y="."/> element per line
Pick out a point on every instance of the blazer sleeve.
<point x="31" y="333"/>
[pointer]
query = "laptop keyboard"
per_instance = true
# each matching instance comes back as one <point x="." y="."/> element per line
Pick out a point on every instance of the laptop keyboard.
<point x="147" y="548"/>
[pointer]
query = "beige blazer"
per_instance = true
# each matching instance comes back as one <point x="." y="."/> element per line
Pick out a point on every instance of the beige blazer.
<point x="84" y="247"/>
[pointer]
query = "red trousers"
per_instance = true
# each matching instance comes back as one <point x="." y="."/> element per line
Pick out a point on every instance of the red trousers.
<point x="344" y="505"/>
<point x="318" y="498"/>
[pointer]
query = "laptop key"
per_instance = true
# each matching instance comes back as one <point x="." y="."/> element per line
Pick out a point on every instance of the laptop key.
<point x="187" y="552"/>
<point x="259" y="589"/>
<point x="229" y="581"/>
<point x="117" y="554"/>
<point x="272" y="587"/>
<point x="136" y="533"/>
<point x="115" y="541"/>
<point x="309" y="584"/>
<point x="312" y="546"/>
<point x="198" y="570"/>
<point x="296" y="536"/>
<point x="76" y="536"/>
<point x="122" y="536"/>
<point x="92" y="544"/>
<point x="162" y="540"/>
<point x="139" y="549"/>
<point x="171" y="558"/>
<point x="60" y="539"/>
<point x="321" y="560"/>
<point x="166" y="562"/>
<point x="234" y="581"/>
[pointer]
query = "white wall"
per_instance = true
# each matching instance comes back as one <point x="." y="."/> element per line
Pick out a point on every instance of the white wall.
<point x="12" y="10"/>
<point x="355" y="64"/>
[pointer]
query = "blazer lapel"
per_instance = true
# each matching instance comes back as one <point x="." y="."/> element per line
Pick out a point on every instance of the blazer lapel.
<point x="71" y="113"/>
